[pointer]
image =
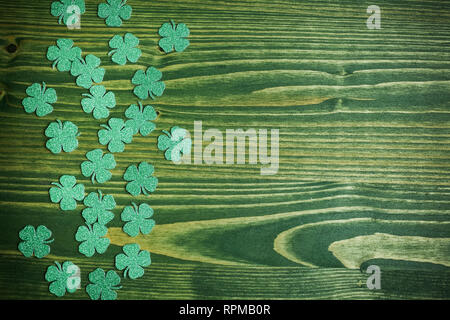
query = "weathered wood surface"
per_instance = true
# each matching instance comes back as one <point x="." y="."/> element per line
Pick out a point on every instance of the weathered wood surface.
<point x="364" y="121"/>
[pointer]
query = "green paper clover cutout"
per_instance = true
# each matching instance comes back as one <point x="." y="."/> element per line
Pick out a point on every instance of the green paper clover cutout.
<point x="92" y="239"/>
<point x="35" y="241"/>
<point x="63" y="136"/>
<point x="67" y="192"/>
<point x="87" y="71"/>
<point x="140" y="119"/>
<point x="98" y="102"/>
<point x="174" y="36"/>
<point x="148" y="83"/>
<point x="99" y="207"/>
<point x="103" y="285"/>
<point x="63" y="54"/>
<point x="39" y="99"/>
<point x="114" y="11"/>
<point x="63" y="9"/>
<point x="115" y="135"/>
<point x="133" y="261"/>
<point x="60" y="277"/>
<point x="140" y="179"/>
<point x="138" y="219"/>
<point x="98" y="165"/>
<point x="175" y="143"/>
<point x="124" y="49"/>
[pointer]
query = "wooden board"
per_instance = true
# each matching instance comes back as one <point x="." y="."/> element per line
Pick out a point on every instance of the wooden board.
<point x="364" y="131"/>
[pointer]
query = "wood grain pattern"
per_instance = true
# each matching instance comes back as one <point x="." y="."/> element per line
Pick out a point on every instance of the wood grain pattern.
<point x="364" y="122"/>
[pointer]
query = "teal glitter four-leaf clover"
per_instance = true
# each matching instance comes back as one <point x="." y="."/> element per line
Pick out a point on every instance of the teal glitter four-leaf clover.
<point x="175" y="143"/>
<point x="137" y="219"/>
<point x="98" y="208"/>
<point x="92" y="238"/>
<point x="133" y="261"/>
<point x="140" y="179"/>
<point x="62" y="136"/>
<point x="174" y="36"/>
<point x="64" y="9"/>
<point x="114" y="11"/>
<point x="35" y="241"/>
<point x="148" y="83"/>
<point x="124" y="49"/>
<point x="103" y="285"/>
<point x="67" y="192"/>
<point x="63" y="54"/>
<point x="39" y="99"/>
<point x="140" y="119"/>
<point x="98" y="165"/>
<point x="98" y="102"/>
<point x="60" y="278"/>
<point x="87" y="71"/>
<point x="115" y="135"/>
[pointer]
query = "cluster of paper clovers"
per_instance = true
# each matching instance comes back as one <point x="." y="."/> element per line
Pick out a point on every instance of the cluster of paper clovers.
<point x="115" y="134"/>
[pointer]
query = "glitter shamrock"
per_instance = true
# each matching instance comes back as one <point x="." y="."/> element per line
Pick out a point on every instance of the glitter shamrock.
<point x="63" y="54"/>
<point x="35" y="241"/>
<point x="98" y="208"/>
<point x="138" y="219"/>
<point x="115" y="135"/>
<point x="140" y="119"/>
<point x="98" y="102"/>
<point x="174" y="36"/>
<point x="92" y="239"/>
<point x="133" y="261"/>
<point x="103" y="285"/>
<point x="148" y="83"/>
<point x="124" y="49"/>
<point x="62" y="136"/>
<point x="114" y="11"/>
<point x="98" y="165"/>
<point x="39" y="99"/>
<point x="87" y="71"/>
<point x="67" y="192"/>
<point x="63" y="278"/>
<point x="140" y="179"/>
<point x="65" y="8"/>
<point x="175" y="143"/>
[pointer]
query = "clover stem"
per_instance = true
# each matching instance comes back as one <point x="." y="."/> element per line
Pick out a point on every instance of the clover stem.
<point x="144" y="191"/>
<point x="57" y="184"/>
<point x="100" y="195"/>
<point x="141" y="107"/>
<point x="173" y="24"/>
<point x="58" y="266"/>
<point x="59" y="123"/>
<point x="43" y="86"/>
<point x="135" y="207"/>
<point x="49" y="241"/>
<point x="112" y="52"/>
<point x="60" y="18"/>
<point x="92" y="178"/>
<point x="54" y="63"/>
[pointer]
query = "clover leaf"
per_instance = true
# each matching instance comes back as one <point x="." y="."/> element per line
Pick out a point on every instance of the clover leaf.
<point x="39" y="99"/>
<point x="124" y="49"/>
<point x="138" y="219"/>
<point x="103" y="285"/>
<point x="92" y="239"/>
<point x="98" y="165"/>
<point x="140" y="179"/>
<point x="115" y="135"/>
<point x="99" y="207"/>
<point x="133" y="261"/>
<point x="63" y="54"/>
<point x="148" y="83"/>
<point x="87" y="71"/>
<point x="114" y="11"/>
<point x="140" y="119"/>
<point x="59" y="276"/>
<point x="99" y="101"/>
<point x="67" y="192"/>
<point x="63" y="136"/>
<point x="173" y="37"/>
<point x="35" y="241"/>
<point x="62" y="8"/>
<point x="175" y="143"/>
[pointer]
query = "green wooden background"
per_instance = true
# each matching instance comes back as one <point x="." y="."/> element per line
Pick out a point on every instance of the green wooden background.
<point x="364" y="120"/>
